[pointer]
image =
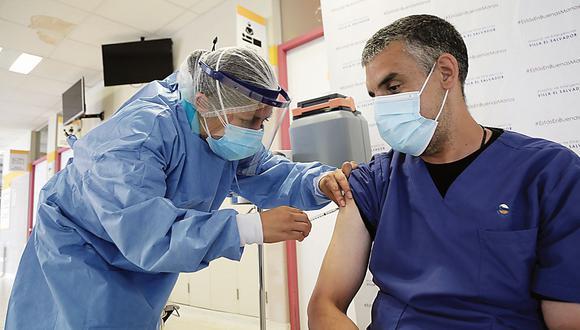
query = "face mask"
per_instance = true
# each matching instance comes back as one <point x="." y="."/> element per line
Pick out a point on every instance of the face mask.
<point x="401" y="124"/>
<point x="236" y="143"/>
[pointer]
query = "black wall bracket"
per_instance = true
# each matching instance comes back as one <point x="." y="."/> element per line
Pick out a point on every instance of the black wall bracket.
<point x="101" y="116"/>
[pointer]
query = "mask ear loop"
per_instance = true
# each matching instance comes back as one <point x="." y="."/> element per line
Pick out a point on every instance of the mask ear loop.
<point x="428" y="76"/>
<point x="446" y="92"/>
<point x="205" y="125"/>
<point x="442" y="105"/>
<point x="219" y="116"/>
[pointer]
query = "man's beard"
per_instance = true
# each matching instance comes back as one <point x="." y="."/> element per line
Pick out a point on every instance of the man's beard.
<point x="440" y="137"/>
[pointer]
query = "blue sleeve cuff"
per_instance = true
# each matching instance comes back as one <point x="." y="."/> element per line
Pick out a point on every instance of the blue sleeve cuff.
<point x="556" y="291"/>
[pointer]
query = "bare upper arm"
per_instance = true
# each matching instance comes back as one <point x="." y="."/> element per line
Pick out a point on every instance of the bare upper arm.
<point x="345" y="263"/>
<point x="561" y="315"/>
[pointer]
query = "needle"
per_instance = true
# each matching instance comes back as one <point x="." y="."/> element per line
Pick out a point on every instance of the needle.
<point x="323" y="214"/>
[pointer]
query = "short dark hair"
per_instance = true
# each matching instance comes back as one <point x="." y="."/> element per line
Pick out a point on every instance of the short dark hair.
<point x="426" y="37"/>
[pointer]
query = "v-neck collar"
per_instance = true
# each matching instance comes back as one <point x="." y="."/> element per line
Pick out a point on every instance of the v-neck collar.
<point x="424" y="182"/>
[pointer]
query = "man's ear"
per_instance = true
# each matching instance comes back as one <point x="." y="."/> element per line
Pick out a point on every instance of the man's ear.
<point x="449" y="71"/>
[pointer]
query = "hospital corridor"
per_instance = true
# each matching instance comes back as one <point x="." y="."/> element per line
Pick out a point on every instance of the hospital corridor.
<point x="289" y="164"/>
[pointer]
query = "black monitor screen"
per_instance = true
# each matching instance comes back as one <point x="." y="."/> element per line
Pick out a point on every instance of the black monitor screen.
<point x="137" y="62"/>
<point x="73" y="102"/>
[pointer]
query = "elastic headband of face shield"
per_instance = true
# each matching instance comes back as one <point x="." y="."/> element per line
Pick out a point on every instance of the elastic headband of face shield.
<point x="262" y="95"/>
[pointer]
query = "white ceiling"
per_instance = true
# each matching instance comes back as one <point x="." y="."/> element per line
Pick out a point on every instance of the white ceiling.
<point x="68" y="35"/>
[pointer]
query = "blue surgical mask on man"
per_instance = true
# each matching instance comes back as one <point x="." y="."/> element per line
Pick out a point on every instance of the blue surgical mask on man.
<point x="400" y="122"/>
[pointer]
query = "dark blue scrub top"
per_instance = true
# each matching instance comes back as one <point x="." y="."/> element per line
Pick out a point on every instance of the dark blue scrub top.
<point x="506" y="233"/>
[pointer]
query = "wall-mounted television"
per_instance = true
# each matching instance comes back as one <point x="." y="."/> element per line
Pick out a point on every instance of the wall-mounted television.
<point x="73" y="102"/>
<point x="137" y="62"/>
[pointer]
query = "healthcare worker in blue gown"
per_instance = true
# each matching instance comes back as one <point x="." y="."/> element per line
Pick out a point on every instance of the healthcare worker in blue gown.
<point x="139" y="202"/>
<point x="471" y="227"/>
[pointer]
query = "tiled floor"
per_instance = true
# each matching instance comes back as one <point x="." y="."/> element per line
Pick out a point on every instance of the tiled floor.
<point x="191" y="318"/>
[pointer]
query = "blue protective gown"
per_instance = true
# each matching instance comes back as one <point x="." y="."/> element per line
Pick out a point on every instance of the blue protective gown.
<point x="462" y="261"/>
<point x="137" y="205"/>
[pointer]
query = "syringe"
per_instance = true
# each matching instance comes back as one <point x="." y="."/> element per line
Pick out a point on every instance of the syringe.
<point x="323" y="214"/>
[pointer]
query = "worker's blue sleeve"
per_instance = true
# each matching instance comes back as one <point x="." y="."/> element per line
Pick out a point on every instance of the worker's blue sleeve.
<point x="557" y="274"/>
<point x="269" y="181"/>
<point x="368" y="184"/>
<point x="126" y="185"/>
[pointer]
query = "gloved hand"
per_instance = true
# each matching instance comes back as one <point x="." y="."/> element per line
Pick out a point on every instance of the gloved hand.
<point x="284" y="223"/>
<point x="335" y="184"/>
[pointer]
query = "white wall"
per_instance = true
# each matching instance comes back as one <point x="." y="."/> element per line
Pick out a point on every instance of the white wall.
<point x="18" y="139"/>
<point x="218" y="22"/>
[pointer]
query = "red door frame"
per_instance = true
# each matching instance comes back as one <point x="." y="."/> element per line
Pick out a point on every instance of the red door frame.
<point x="31" y="193"/>
<point x="291" y="259"/>
<point x="58" y="160"/>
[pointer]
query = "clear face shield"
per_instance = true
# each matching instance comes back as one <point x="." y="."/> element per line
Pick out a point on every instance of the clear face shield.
<point x="235" y="98"/>
<point x="262" y="105"/>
